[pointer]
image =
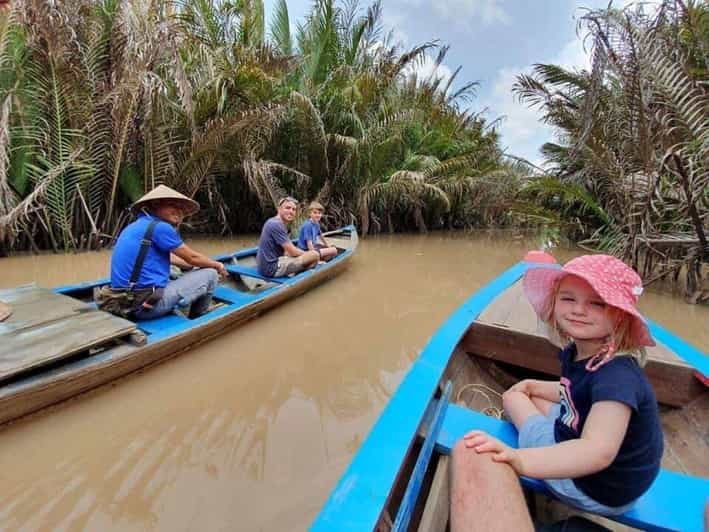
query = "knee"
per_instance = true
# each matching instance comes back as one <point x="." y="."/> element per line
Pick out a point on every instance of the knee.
<point x="211" y="277"/>
<point x="467" y="463"/>
<point x="508" y="397"/>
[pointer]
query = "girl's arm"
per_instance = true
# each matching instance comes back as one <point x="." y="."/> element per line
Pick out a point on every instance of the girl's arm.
<point x="595" y="450"/>
<point x="548" y="390"/>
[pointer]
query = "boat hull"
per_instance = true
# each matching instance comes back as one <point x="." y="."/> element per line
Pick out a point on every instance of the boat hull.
<point x="74" y="377"/>
<point x="463" y="351"/>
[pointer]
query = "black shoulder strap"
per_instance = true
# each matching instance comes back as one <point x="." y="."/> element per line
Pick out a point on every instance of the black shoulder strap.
<point x="144" y="246"/>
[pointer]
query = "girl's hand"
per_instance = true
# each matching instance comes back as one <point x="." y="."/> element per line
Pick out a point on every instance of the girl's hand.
<point x="482" y="442"/>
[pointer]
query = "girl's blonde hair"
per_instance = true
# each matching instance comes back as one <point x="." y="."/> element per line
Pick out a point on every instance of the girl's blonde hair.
<point x="621" y="336"/>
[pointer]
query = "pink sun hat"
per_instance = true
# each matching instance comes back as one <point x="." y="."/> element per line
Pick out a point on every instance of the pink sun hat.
<point x="613" y="280"/>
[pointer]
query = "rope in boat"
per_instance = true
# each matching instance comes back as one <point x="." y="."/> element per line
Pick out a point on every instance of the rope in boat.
<point x="491" y="410"/>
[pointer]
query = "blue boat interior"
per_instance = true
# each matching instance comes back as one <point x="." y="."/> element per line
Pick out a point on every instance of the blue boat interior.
<point x="371" y="487"/>
<point x="245" y="286"/>
<point x="674" y="501"/>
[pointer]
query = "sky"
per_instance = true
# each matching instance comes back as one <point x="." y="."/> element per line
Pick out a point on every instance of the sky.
<point x="493" y="41"/>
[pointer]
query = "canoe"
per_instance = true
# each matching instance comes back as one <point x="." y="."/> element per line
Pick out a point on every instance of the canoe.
<point x="398" y="479"/>
<point x="55" y="344"/>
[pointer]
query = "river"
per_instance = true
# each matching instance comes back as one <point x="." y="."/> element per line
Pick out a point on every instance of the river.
<point x="252" y="430"/>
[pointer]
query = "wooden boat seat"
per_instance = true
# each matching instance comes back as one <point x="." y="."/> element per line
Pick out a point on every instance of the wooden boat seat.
<point x="232" y="296"/>
<point x="176" y="321"/>
<point x="235" y="269"/>
<point x="674" y="501"/>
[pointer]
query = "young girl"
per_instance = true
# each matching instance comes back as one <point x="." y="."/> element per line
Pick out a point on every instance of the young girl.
<point x="595" y="436"/>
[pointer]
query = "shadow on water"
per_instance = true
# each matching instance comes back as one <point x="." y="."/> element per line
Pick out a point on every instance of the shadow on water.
<point x="252" y="430"/>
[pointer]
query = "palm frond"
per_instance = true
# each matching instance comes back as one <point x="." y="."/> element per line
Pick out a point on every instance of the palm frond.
<point x="280" y="29"/>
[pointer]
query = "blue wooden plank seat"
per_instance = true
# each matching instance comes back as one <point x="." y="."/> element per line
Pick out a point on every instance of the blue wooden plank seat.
<point x="232" y="296"/>
<point x="236" y="269"/>
<point x="674" y="501"/>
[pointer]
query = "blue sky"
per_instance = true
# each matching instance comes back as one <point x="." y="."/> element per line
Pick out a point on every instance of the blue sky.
<point x="493" y="41"/>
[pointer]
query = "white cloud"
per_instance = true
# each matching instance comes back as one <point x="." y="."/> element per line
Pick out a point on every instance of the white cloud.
<point x="427" y="67"/>
<point x="469" y="11"/>
<point x="573" y="55"/>
<point x="522" y="131"/>
<point x="394" y="21"/>
<point x="462" y="13"/>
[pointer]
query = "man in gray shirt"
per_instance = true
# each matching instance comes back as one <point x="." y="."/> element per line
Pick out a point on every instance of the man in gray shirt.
<point x="277" y="256"/>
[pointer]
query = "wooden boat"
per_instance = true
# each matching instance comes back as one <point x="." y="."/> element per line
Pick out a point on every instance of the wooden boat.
<point x="55" y="344"/>
<point x="398" y="480"/>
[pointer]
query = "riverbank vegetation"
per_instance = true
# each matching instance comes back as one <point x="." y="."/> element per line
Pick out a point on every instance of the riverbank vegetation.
<point x="101" y="100"/>
<point x="629" y="174"/>
<point x="104" y="99"/>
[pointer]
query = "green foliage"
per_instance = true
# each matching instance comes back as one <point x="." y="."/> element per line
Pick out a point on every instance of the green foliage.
<point x="630" y="171"/>
<point x="111" y="98"/>
<point x="280" y="29"/>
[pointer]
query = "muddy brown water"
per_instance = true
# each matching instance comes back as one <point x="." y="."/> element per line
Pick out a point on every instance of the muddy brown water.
<point x="252" y="430"/>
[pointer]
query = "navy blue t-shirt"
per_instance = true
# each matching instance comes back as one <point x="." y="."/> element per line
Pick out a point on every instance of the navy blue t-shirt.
<point x="310" y="231"/>
<point x="270" y="246"/>
<point x="638" y="460"/>
<point x="156" y="268"/>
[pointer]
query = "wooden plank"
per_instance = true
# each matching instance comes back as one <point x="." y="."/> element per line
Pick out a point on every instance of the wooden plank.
<point x="32" y="305"/>
<point x="686" y="434"/>
<point x="45" y="343"/>
<point x="46" y="327"/>
<point x="674" y="384"/>
<point x="511" y="309"/>
<point x="435" y="513"/>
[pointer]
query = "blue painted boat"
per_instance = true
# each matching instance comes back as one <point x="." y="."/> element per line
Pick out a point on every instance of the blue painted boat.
<point x="56" y="344"/>
<point x="398" y="479"/>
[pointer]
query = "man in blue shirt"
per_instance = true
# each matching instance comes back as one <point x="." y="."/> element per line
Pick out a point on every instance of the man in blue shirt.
<point x="311" y="238"/>
<point x="277" y="256"/>
<point x="155" y="294"/>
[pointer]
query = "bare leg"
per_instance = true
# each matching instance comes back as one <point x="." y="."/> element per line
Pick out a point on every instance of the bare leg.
<point x="310" y="259"/>
<point x="543" y="405"/>
<point x="519" y="407"/>
<point x="328" y="253"/>
<point x="485" y="495"/>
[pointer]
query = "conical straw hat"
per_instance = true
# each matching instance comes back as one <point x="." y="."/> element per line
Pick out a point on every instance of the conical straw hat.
<point x="161" y="192"/>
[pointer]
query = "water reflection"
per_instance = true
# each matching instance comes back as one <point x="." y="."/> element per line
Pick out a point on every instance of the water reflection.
<point x="252" y="430"/>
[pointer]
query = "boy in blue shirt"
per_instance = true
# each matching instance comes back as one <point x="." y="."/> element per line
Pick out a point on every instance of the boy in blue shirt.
<point x="311" y="239"/>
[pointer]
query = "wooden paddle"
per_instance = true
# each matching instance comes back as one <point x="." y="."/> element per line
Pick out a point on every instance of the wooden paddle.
<point x="5" y="311"/>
